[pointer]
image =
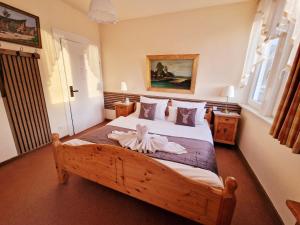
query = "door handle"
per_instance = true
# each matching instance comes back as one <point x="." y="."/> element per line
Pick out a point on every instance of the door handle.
<point x="72" y="91"/>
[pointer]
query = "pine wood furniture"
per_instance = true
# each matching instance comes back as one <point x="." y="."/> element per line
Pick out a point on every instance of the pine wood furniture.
<point x="123" y="109"/>
<point x="144" y="178"/>
<point x="295" y="209"/>
<point x="225" y="127"/>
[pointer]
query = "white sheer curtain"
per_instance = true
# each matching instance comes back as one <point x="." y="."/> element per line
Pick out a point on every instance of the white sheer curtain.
<point x="271" y="20"/>
<point x="251" y="57"/>
<point x="292" y="10"/>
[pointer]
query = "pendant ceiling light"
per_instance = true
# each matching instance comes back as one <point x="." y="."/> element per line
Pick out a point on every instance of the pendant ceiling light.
<point x="102" y="11"/>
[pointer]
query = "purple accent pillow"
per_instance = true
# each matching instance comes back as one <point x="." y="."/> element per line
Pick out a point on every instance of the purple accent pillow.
<point x="186" y="117"/>
<point x="147" y="111"/>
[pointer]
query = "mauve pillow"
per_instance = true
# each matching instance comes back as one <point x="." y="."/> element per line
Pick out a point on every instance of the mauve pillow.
<point x="147" y="111"/>
<point x="191" y="105"/>
<point x="186" y="116"/>
<point x="161" y="107"/>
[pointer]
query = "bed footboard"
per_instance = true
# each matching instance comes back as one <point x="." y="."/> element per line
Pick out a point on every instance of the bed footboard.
<point x="142" y="177"/>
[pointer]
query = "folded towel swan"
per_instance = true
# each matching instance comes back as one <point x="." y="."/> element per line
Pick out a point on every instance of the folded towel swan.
<point x="141" y="141"/>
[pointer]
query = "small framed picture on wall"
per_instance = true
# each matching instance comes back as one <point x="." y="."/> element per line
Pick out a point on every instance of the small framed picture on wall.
<point x="19" y="27"/>
<point x="172" y="73"/>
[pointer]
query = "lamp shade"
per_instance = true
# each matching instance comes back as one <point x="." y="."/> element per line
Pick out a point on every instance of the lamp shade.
<point x="228" y="91"/>
<point x="123" y="86"/>
<point x="102" y="11"/>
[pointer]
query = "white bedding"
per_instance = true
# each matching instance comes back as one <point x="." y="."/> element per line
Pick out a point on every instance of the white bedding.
<point x="164" y="127"/>
<point x="197" y="174"/>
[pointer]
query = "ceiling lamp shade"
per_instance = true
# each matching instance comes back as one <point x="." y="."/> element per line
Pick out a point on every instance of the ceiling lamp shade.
<point x="102" y="11"/>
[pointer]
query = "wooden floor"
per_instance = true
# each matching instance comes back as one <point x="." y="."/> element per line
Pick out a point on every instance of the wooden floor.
<point x="31" y="195"/>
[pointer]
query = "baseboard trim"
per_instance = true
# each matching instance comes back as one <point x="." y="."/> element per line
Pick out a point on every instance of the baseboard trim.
<point x="9" y="160"/>
<point x="259" y="185"/>
<point x="21" y="156"/>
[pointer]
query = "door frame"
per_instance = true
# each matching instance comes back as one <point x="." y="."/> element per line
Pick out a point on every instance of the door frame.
<point x="58" y="36"/>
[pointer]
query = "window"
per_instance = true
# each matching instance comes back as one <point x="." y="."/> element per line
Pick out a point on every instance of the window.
<point x="274" y="38"/>
<point x="270" y="74"/>
<point x="283" y="79"/>
<point x="262" y="74"/>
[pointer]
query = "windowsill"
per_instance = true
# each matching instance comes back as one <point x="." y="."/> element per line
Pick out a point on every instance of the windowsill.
<point x="267" y="119"/>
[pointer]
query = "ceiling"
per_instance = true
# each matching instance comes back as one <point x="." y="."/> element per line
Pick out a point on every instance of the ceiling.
<point x="130" y="9"/>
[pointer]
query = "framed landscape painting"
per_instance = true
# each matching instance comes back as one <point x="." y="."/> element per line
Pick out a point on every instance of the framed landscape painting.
<point x="19" y="27"/>
<point x="172" y="73"/>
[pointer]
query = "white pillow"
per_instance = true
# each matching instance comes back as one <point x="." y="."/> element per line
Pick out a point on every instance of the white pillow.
<point x="200" y="114"/>
<point x="160" y="107"/>
<point x="172" y="114"/>
<point x="136" y="113"/>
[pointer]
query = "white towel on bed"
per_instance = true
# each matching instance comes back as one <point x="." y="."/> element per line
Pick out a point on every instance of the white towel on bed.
<point x="141" y="141"/>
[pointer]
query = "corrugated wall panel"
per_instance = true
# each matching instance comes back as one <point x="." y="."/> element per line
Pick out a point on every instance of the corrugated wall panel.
<point x="22" y="91"/>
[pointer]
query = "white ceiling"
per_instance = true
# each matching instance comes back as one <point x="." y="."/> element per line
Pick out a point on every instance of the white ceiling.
<point x="129" y="9"/>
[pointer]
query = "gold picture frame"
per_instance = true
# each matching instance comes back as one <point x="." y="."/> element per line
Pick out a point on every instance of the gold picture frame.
<point x="172" y="73"/>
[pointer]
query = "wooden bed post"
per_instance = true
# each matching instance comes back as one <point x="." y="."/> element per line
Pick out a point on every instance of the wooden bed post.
<point x="62" y="174"/>
<point x="228" y="202"/>
<point x="208" y="115"/>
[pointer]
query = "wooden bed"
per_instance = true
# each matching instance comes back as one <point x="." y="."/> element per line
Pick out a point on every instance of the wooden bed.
<point x="142" y="177"/>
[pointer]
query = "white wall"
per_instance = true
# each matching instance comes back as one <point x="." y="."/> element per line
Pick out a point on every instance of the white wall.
<point x="275" y="166"/>
<point x="219" y="34"/>
<point x="53" y="14"/>
<point x="7" y="145"/>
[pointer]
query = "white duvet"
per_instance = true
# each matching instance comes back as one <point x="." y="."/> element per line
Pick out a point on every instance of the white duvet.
<point x="164" y="127"/>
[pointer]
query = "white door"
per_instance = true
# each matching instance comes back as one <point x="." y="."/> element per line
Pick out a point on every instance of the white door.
<point x="84" y="84"/>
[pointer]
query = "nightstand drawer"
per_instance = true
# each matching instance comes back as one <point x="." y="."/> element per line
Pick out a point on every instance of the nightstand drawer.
<point x="226" y="119"/>
<point x="225" y="127"/>
<point x="225" y="132"/>
<point x="123" y="109"/>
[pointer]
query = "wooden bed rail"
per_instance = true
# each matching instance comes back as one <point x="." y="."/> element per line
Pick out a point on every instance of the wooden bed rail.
<point x="146" y="179"/>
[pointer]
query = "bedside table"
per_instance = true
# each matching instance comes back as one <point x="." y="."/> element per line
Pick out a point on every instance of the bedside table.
<point x="123" y="109"/>
<point x="225" y="127"/>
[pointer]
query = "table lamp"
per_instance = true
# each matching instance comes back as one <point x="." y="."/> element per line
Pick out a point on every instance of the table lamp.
<point x="124" y="90"/>
<point x="228" y="92"/>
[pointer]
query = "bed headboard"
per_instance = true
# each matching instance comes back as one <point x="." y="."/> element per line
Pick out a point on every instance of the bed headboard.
<point x="208" y="115"/>
<point x="111" y="97"/>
